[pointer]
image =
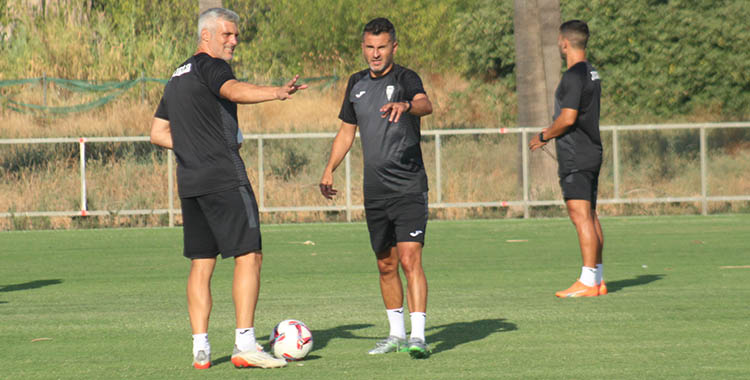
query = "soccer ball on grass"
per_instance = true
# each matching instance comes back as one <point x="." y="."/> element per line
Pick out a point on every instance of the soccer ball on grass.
<point x="291" y="340"/>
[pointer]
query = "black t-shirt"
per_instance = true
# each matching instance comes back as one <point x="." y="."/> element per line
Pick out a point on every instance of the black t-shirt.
<point x="204" y="127"/>
<point x="393" y="163"/>
<point x="580" y="147"/>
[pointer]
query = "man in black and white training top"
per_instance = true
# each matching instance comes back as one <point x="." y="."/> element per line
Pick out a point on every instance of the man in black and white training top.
<point x="197" y="118"/>
<point x="386" y="102"/>
<point x="579" y="153"/>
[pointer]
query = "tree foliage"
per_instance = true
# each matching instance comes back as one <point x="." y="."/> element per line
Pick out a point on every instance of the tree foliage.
<point x="670" y="57"/>
<point x="322" y="36"/>
<point x="484" y="40"/>
<point x="660" y="58"/>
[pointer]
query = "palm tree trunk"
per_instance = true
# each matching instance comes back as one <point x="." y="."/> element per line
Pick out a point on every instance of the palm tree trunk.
<point x="538" y="61"/>
<point x="538" y="67"/>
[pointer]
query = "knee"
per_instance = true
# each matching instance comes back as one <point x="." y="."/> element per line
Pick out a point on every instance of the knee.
<point x="411" y="261"/>
<point x="579" y="217"/>
<point x="202" y="267"/>
<point x="575" y="219"/>
<point x="253" y="259"/>
<point x="387" y="267"/>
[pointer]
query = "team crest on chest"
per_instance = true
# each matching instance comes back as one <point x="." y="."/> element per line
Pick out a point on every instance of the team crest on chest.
<point x="389" y="92"/>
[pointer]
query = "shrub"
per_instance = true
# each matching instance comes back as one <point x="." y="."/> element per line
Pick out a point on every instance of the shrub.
<point x="669" y="58"/>
<point x="484" y="40"/>
<point x="659" y="60"/>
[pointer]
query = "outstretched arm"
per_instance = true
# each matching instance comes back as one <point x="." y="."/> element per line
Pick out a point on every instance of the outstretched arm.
<point x="247" y="93"/>
<point x="566" y="119"/>
<point x="341" y="145"/>
<point x="420" y="106"/>
<point x="161" y="133"/>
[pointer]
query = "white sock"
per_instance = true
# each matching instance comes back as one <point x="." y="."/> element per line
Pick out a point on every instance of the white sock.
<point x="588" y="276"/>
<point x="599" y="273"/>
<point x="200" y="342"/>
<point x="396" y="321"/>
<point x="244" y="338"/>
<point x="417" y="324"/>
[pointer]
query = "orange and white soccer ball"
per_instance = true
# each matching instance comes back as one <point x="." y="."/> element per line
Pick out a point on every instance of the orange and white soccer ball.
<point x="291" y="340"/>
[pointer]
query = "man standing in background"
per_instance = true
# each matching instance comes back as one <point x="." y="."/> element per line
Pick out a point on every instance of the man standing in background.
<point x="579" y="153"/>
<point x="197" y="117"/>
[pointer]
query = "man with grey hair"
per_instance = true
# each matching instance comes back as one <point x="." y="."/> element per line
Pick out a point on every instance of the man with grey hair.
<point x="197" y="118"/>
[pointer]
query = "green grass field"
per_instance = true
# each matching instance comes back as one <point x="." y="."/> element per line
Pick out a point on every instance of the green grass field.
<point x="112" y="303"/>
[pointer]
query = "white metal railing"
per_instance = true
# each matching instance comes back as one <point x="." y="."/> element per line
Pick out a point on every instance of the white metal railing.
<point x="704" y="198"/>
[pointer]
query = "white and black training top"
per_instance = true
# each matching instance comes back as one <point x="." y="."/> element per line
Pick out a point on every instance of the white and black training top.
<point x="204" y="127"/>
<point x="580" y="147"/>
<point x="393" y="163"/>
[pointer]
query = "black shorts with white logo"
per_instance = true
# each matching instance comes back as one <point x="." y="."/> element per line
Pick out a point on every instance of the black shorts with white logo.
<point x="581" y="185"/>
<point x="396" y="220"/>
<point x="226" y="222"/>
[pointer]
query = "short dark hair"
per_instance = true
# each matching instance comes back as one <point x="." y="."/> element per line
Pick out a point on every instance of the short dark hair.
<point x="380" y="25"/>
<point x="577" y="32"/>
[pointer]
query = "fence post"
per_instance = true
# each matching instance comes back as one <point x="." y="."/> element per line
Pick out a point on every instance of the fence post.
<point x="438" y="171"/>
<point x="525" y="165"/>
<point x="704" y="169"/>
<point x="170" y="185"/>
<point x="348" y="187"/>
<point x="142" y="89"/>
<point x="82" y="150"/>
<point x="44" y="89"/>
<point x="616" y="163"/>
<point x="261" y="202"/>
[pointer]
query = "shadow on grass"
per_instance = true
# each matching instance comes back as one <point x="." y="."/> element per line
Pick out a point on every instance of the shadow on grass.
<point x="640" y="280"/>
<point x="449" y="336"/>
<point x="320" y="339"/>
<point x="220" y="360"/>
<point x="29" y="285"/>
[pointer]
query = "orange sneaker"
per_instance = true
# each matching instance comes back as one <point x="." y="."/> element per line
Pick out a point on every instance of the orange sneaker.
<point x="602" y="289"/>
<point x="202" y="360"/>
<point x="579" y="290"/>
<point x="255" y="358"/>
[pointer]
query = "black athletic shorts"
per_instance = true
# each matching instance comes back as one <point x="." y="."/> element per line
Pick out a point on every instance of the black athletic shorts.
<point x="581" y="185"/>
<point x="396" y="220"/>
<point x="226" y="222"/>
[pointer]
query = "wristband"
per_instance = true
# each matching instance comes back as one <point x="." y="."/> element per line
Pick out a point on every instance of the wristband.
<point x="541" y="137"/>
<point x="409" y="103"/>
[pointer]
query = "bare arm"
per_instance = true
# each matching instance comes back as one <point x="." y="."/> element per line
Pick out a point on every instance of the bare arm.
<point x="420" y="106"/>
<point x="566" y="119"/>
<point x="247" y="93"/>
<point x="161" y="133"/>
<point x="341" y="145"/>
